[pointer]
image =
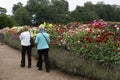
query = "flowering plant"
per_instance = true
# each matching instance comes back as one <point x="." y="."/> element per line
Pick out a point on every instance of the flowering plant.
<point x="97" y="40"/>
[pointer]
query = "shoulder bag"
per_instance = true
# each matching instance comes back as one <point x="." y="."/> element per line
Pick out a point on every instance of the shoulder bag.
<point x="45" y="38"/>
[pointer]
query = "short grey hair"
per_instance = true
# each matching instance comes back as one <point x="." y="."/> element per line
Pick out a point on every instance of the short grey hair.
<point x="41" y="26"/>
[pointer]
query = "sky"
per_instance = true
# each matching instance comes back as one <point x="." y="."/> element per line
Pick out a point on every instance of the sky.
<point x="8" y="4"/>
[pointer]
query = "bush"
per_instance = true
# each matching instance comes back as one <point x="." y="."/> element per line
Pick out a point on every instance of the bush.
<point x="6" y="21"/>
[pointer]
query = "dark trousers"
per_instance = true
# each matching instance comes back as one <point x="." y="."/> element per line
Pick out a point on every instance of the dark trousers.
<point x="43" y="52"/>
<point x="26" y="49"/>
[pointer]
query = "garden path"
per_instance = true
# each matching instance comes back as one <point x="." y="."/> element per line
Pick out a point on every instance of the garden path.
<point x="10" y="68"/>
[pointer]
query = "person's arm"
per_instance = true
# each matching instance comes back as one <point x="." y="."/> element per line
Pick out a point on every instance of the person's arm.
<point x="36" y="40"/>
<point x="20" y="37"/>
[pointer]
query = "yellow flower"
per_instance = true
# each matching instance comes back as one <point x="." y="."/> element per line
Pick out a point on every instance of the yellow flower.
<point x="14" y="27"/>
<point x="50" y="26"/>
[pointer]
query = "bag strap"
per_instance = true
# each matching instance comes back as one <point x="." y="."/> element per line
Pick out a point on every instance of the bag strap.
<point x="45" y="37"/>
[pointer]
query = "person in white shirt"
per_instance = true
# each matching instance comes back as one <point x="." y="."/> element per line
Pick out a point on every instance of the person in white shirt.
<point x="25" y="44"/>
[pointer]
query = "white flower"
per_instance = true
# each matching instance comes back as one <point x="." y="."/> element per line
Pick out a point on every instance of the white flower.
<point x="78" y="42"/>
<point x="68" y="48"/>
<point x="98" y="36"/>
<point x="117" y="28"/>
<point x="87" y="29"/>
<point x="59" y="44"/>
<point x="99" y="30"/>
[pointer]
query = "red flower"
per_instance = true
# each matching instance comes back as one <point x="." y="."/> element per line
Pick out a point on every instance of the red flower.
<point x="117" y="44"/>
<point x="105" y="41"/>
<point x="103" y="33"/>
<point x="62" y="30"/>
<point x="82" y="40"/>
<point x="109" y="33"/>
<point x="106" y="37"/>
<point x="60" y="38"/>
<point x="85" y="45"/>
<point x="99" y="39"/>
<point x="118" y="50"/>
<point x="89" y="39"/>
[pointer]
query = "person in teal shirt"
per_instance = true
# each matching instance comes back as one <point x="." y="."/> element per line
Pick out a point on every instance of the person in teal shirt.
<point x="42" y="40"/>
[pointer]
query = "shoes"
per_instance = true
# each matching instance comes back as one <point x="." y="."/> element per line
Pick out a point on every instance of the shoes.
<point x="22" y="65"/>
<point x="48" y="70"/>
<point x="29" y="66"/>
<point x="40" y="69"/>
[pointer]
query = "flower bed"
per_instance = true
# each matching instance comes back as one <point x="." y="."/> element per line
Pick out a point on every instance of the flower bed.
<point x="84" y="49"/>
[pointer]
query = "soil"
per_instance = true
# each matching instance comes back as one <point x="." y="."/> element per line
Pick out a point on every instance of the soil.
<point x="10" y="68"/>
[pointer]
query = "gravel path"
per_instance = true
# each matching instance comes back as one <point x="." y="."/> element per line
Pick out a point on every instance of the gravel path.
<point x="10" y="68"/>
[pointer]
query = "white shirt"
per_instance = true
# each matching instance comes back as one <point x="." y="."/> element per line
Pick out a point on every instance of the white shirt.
<point x="25" y="38"/>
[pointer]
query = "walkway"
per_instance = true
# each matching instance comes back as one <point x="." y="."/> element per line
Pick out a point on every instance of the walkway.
<point x="10" y="68"/>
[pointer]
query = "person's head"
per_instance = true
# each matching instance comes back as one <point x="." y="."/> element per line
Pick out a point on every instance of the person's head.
<point x="41" y="27"/>
<point x="25" y="28"/>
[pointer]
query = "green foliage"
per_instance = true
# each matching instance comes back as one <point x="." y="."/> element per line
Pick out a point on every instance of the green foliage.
<point x="3" y="10"/>
<point x="72" y="63"/>
<point x="57" y="11"/>
<point x="79" y="51"/>
<point x="22" y="16"/>
<point x="54" y="11"/>
<point x="104" y="53"/>
<point x="6" y="21"/>
<point x="16" y="6"/>
<point x="84" y="14"/>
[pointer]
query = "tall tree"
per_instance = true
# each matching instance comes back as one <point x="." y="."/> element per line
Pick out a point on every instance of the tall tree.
<point x="116" y="13"/>
<point x="16" y="6"/>
<point x="6" y="21"/>
<point x="104" y="11"/>
<point x="37" y="8"/>
<point x="60" y="9"/>
<point x="84" y="13"/>
<point x="48" y="11"/>
<point x="3" y="10"/>
<point x="22" y="17"/>
<point x="90" y="11"/>
<point x="32" y="5"/>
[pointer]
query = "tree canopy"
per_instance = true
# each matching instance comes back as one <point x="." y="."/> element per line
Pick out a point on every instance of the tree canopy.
<point x="3" y="10"/>
<point x="36" y="12"/>
<point x="6" y="21"/>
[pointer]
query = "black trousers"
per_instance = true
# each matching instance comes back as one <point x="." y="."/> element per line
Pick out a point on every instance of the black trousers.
<point x="26" y="49"/>
<point x="43" y="52"/>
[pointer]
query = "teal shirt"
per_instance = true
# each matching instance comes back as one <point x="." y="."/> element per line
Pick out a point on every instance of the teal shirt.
<point x="41" y="41"/>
